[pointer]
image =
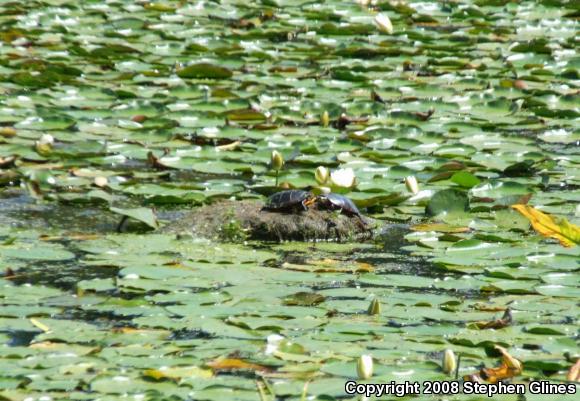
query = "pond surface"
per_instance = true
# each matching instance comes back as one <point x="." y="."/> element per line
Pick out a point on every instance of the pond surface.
<point x="112" y="109"/>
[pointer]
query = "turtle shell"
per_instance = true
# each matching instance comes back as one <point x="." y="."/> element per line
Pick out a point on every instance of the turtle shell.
<point x="285" y="200"/>
<point x="340" y="202"/>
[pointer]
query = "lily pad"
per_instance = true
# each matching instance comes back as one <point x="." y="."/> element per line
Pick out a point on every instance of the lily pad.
<point x="204" y="71"/>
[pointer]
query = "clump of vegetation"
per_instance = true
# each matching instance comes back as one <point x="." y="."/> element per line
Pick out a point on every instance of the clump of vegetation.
<point x="237" y="221"/>
<point x="232" y="230"/>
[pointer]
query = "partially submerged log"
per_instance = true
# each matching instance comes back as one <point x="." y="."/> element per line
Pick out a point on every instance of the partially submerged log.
<point x="239" y="220"/>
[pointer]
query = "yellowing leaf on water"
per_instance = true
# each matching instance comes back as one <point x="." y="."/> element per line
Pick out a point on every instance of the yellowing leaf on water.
<point x="133" y="331"/>
<point x="77" y="349"/>
<point x="235" y="364"/>
<point x="561" y="229"/>
<point x="439" y="227"/>
<point x="328" y="265"/>
<point x="40" y="325"/>
<point x="229" y="146"/>
<point x="489" y="308"/>
<point x="7" y="131"/>
<point x="44" y="345"/>
<point x="177" y="373"/>
<point x="77" y="237"/>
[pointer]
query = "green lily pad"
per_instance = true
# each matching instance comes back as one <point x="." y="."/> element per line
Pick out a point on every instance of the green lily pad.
<point x="447" y="201"/>
<point x="142" y="214"/>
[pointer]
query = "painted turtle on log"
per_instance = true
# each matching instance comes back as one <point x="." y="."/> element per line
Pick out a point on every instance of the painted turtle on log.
<point x="339" y="202"/>
<point x="289" y="201"/>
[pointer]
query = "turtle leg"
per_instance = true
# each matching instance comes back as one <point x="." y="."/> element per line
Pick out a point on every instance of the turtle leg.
<point x="307" y="202"/>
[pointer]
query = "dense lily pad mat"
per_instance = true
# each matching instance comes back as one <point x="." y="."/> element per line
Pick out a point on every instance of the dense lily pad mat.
<point x="115" y="108"/>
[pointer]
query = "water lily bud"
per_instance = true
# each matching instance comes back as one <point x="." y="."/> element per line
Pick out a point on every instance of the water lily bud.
<point x="277" y="160"/>
<point x="374" y="307"/>
<point x="101" y="181"/>
<point x="44" y="145"/>
<point x="449" y="361"/>
<point x="364" y="367"/>
<point x="322" y="174"/>
<point x="46" y="139"/>
<point x="325" y="119"/>
<point x="343" y="178"/>
<point x="412" y="184"/>
<point x="383" y="22"/>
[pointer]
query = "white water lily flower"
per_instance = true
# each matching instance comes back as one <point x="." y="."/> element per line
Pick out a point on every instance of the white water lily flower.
<point x="383" y="22"/>
<point x="344" y="178"/>
<point x="273" y="342"/>
<point x="364" y="366"/>
<point x="101" y="181"/>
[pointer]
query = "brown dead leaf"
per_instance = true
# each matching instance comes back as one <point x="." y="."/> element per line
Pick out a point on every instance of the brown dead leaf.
<point x="506" y="320"/>
<point x="139" y="118"/>
<point x="574" y="372"/>
<point x="509" y="367"/>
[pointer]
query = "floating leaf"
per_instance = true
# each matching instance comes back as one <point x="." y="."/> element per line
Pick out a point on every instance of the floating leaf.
<point x="142" y="214"/>
<point x="178" y="373"/>
<point x="235" y="364"/>
<point x="439" y="227"/>
<point x="447" y="201"/>
<point x="303" y="299"/>
<point x="246" y="115"/>
<point x="465" y="179"/>
<point x="204" y="71"/>
<point x="565" y="232"/>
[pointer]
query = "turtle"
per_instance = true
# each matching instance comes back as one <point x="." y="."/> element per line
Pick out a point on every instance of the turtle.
<point x="289" y="201"/>
<point x="338" y="202"/>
